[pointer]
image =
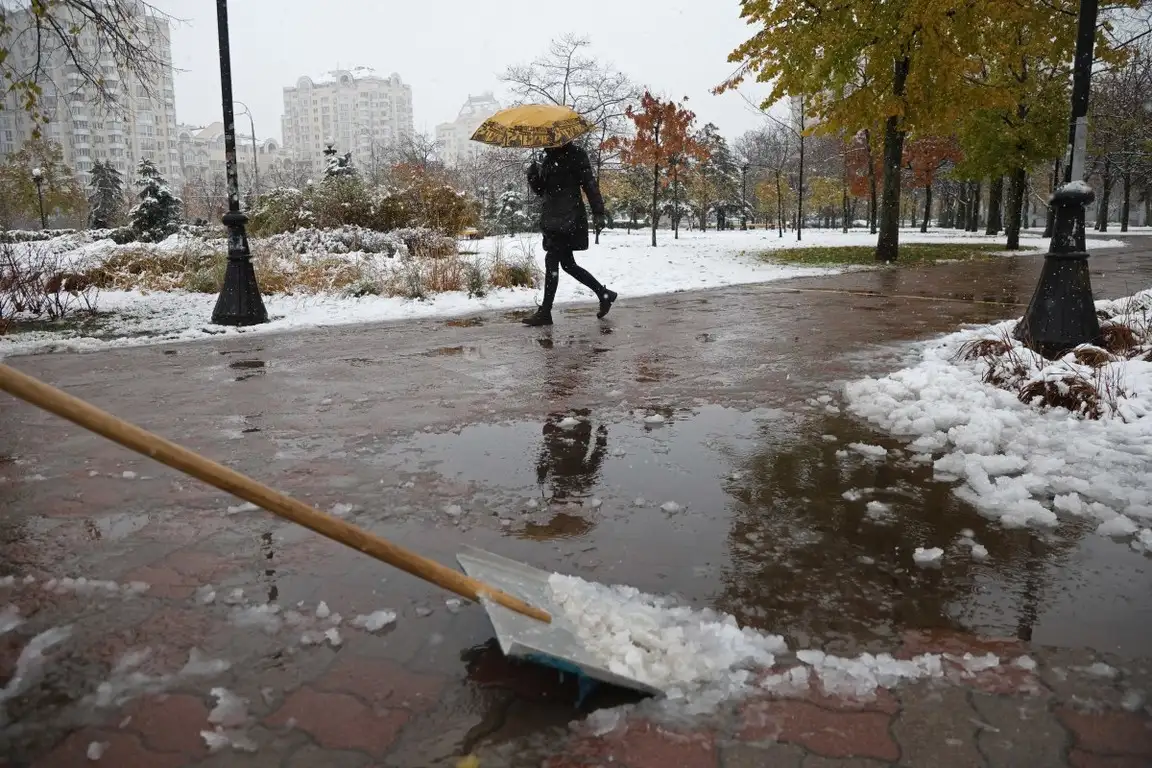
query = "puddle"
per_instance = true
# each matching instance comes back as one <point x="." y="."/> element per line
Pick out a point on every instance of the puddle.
<point x="247" y="364"/>
<point x="761" y="528"/>
<point x="467" y="322"/>
<point x="468" y="353"/>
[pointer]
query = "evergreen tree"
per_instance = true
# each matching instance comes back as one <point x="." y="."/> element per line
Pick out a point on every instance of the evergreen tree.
<point x="511" y="218"/>
<point x="157" y="214"/>
<point x="105" y="196"/>
<point x="339" y="166"/>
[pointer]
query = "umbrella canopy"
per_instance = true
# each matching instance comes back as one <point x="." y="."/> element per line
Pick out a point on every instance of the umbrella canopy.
<point x="532" y="126"/>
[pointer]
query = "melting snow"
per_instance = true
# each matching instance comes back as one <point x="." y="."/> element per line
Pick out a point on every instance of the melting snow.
<point x="1016" y="463"/>
<point x="671" y="507"/>
<point x="10" y="619"/>
<point x="30" y="664"/>
<point x="230" y="711"/>
<point x="568" y="422"/>
<point x="655" y="418"/>
<point x="322" y="610"/>
<point x="96" y="750"/>
<point x="927" y="557"/>
<point x="374" y="622"/>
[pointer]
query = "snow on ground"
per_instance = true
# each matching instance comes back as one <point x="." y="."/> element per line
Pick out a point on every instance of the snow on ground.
<point x="623" y="261"/>
<point x="1017" y="463"/>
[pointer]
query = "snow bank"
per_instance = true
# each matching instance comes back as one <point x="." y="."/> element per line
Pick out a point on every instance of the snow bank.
<point x="1019" y="463"/>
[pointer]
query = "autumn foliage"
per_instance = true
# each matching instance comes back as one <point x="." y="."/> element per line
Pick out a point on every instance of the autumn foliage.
<point x="664" y="143"/>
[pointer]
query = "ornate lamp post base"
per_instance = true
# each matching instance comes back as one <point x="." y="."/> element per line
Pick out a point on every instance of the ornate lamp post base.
<point x="1062" y="312"/>
<point x="239" y="302"/>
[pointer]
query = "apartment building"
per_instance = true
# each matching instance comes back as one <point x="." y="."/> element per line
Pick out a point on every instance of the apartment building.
<point x="355" y="109"/>
<point x="202" y="156"/>
<point x="139" y="123"/>
<point x="454" y="138"/>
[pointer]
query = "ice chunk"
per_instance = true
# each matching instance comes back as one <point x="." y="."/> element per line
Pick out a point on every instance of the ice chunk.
<point x="453" y="510"/>
<point x="1100" y="669"/>
<point x="593" y="503"/>
<point x="871" y="451"/>
<point x="1117" y="526"/>
<point x="333" y="637"/>
<point x="829" y="438"/>
<point x="1025" y="663"/>
<point x="968" y="533"/>
<point x="670" y="507"/>
<point x="654" y="418"/>
<point x="452" y="604"/>
<point x="215" y="740"/>
<point x="200" y="665"/>
<point x="230" y="711"/>
<point x="245" y="507"/>
<point x="568" y="422"/>
<point x="343" y="510"/>
<point x="96" y="750"/>
<point x="374" y="622"/>
<point x="205" y="595"/>
<point x="265" y="617"/>
<point x="10" y="619"/>
<point x="979" y="552"/>
<point x="927" y="557"/>
<point x="235" y="597"/>
<point x="30" y="663"/>
<point x="128" y="475"/>
<point x="322" y="610"/>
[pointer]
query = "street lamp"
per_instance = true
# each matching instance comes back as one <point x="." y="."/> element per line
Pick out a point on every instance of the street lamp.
<point x="239" y="302"/>
<point x="1062" y="313"/>
<point x="38" y="180"/>
<point x="255" y="166"/>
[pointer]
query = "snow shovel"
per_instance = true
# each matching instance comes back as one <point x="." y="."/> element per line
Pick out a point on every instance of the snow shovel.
<point x="130" y="436"/>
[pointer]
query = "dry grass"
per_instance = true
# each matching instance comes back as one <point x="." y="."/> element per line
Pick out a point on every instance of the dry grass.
<point x="1093" y="357"/>
<point x="978" y="348"/>
<point x="1074" y="393"/>
<point x="1118" y="338"/>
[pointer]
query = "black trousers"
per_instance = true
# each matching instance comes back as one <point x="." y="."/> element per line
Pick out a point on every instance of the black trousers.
<point x="554" y="261"/>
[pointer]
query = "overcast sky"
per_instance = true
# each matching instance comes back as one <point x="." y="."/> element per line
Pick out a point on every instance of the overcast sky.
<point x="448" y="49"/>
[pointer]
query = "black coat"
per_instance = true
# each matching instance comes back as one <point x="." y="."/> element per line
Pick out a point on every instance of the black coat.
<point x="563" y="219"/>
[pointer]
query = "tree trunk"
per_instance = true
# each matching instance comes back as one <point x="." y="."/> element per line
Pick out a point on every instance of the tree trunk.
<point x="1148" y="206"/>
<point x="1105" y="201"/>
<point x="779" y="204"/>
<point x="995" y="203"/>
<point x="888" y="243"/>
<point x="800" y="180"/>
<point x="1015" y="209"/>
<point x="675" y="202"/>
<point x="1050" y="218"/>
<point x="1126" y="208"/>
<point x="974" y="208"/>
<point x="655" y="200"/>
<point x="927" y="207"/>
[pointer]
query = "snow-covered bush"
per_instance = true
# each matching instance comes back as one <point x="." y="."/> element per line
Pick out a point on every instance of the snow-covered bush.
<point x="36" y="283"/>
<point x="347" y="239"/>
<point x="32" y="235"/>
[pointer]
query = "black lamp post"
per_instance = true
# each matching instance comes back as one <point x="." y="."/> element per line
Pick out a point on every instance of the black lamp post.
<point x="1062" y="312"/>
<point x="255" y="165"/>
<point x="239" y="302"/>
<point x="38" y="180"/>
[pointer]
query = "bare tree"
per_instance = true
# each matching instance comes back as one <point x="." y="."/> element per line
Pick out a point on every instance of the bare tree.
<point x="568" y="75"/>
<point x="1121" y="129"/>
<point x="768" y="149"/>
<point x="80" y="36"/>
<point x="418" y="149"/>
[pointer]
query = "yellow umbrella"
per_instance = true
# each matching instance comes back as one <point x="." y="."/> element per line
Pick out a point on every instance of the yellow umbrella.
<point x="532" y="126"/>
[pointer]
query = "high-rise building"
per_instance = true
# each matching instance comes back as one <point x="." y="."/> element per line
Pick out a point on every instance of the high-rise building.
<point x="202" y="156"/>
<point x="138" y="123"/>
<point x="353" y="108"/>
<point x="454" y="138"/>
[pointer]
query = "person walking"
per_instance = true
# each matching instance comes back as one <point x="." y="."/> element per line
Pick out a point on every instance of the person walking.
<point x="564" y="172"/>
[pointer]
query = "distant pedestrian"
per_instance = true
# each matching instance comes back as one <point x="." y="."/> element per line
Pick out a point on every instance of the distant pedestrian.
<point x="559" y="179"/>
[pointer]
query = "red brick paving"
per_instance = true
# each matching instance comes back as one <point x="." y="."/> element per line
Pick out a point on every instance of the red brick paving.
<point x="919" y="641"/>
<point x="1110" y="733"/>
<point x="170" y="723"/>
<point x="382" y="683"/>
<point x="124" y="751"/>
<point x="646" y="745"/>
<point x="340" y="721"/>
<point x="1079" y="759"/>
<point x="179" y="574"/>
<point x="833" y="734"/>
<point x="170" y="633"/>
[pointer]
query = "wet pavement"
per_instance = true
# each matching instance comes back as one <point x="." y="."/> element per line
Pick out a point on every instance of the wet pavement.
<point x="440" y="434"/>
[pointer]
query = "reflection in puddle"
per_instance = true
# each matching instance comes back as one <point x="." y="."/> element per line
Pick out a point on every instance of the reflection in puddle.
<point x="467" y="322"/>
<point x="770" y="524"/>
<point x="468" y="353"/>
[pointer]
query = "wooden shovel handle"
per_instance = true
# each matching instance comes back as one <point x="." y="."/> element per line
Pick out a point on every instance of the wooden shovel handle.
<point x="142" y="441"/>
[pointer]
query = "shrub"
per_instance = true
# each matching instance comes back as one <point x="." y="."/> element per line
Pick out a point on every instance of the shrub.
<point x="475" y="278"/>
<point x="282" y="210"/>
<point x="35" y="284"/>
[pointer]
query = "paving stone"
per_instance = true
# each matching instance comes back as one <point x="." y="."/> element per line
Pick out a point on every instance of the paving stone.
<point x="1064" y="672"/>
<point x="1080" y="759"/>
<point x="380" y="682"/>
<point x="759" y="756"/>
<point x="646" y="745"/>
<point x="1026" y="731"/>
<point x="918" y="641"/>
<point x="125" y="750"/>
<point x="312" y="756"/>
<point x="1110" y="733"/>
<point x="340" y="721"/>
<point x="818" y="761"/>
<point x="828" y="733"/>
<point x="170" y="723"/>
<point x="935" y="727"/>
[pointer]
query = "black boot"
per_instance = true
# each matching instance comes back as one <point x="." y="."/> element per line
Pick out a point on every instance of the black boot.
<point x="543" y="314"/>
<point x="606" y="299"/>
<point x="541" y="317"/>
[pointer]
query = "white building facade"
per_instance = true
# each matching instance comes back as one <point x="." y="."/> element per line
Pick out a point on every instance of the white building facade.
<point x="355" y="109"/>
<point x="139" y="124"/>
<point x="454" y="138"/>
<point x="202" y="156"/>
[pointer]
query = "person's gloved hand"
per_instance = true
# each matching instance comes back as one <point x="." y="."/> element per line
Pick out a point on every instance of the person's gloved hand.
<point x="599" y="223"/>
